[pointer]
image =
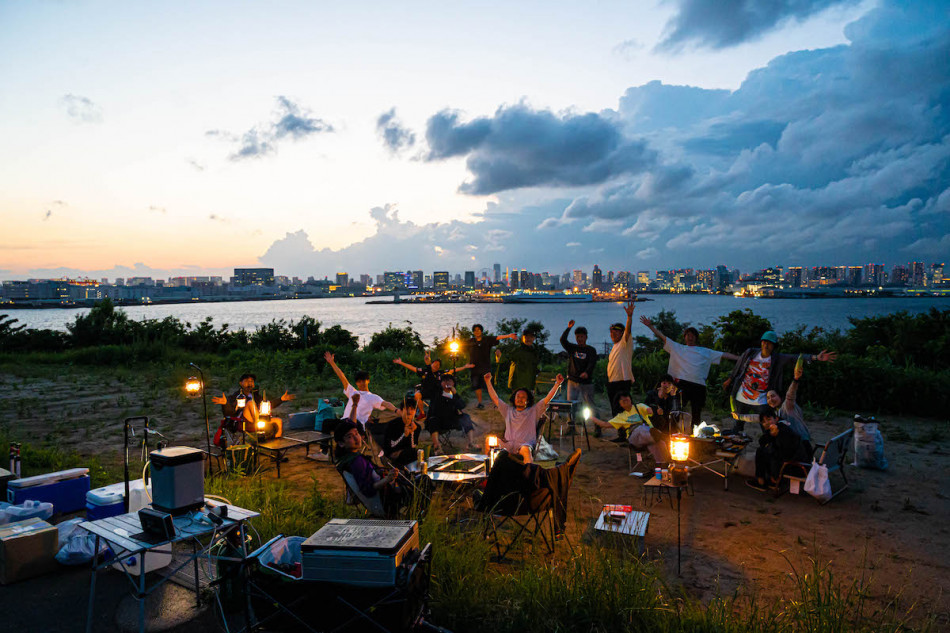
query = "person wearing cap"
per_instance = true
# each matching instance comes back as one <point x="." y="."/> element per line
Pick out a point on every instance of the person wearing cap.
<point x="525" y="359"/>
<point x="242" y="409"/>
<point x="479" y="356"/>
<point x="640" y="432"/>
<point x="620" y="360"/>
<point x="689" y="366"/>
<point x="662" y="401"/>
<point x="759" y="370"/>
<point x="581" y="363"/>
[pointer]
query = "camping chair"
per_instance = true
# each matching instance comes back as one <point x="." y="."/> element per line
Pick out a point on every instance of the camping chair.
<point x="529" y="497"/>
<point x="641" y="469"/>
<point x="832" y="455"/>
<point x="372" y="505"/>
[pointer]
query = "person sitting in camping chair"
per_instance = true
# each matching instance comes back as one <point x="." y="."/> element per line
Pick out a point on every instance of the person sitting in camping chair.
<point x="636" y="421"/>
<point x="522" y="416"/>
<point x="370" y="480"/>
<point x="779" y="444"/>
<point x="402" y="433"/>
<point x="446" y="414"/>
<point x="242" y="411"/>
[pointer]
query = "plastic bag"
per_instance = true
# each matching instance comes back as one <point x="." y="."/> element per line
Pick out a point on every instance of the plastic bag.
<point x="817" y="483"/>
<point x="77" y="546"/>
<point x="543" y="451"/>
<point x="868" y="445"/>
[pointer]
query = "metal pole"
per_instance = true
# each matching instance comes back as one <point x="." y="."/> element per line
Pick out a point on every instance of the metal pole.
<point x="204" y="402"/>
<point x="679" y="500"/>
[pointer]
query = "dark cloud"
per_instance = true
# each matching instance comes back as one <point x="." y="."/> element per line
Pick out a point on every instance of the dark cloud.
<point x="839" y="155"/>
<point x="393" y="133"/>
<point x="519" y="147"/>
<point x="724" y="23"/>
<point x="81" y="109"/>
<point x="289" y="121"/>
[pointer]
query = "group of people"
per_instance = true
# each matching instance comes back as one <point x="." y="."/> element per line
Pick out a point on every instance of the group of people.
<point x="434" y="404"/>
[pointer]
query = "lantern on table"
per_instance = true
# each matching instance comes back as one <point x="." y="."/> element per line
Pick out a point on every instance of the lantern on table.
<point x="679" y="454"/>
<point x="493" y="449"/>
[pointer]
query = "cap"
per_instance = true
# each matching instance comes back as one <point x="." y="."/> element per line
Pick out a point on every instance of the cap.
<point x="770" y="336"/>
<point x="618" y="326"/>
<point x="342" y="429"/>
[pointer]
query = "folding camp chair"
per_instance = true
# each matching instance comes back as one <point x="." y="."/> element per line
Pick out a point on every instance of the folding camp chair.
<point x="529" y="497"/>
<point x="832" y="455"/>
<point x="372" y="505"/>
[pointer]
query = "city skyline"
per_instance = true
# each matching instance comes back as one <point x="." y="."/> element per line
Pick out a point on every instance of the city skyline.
<point x="633" y="135"/>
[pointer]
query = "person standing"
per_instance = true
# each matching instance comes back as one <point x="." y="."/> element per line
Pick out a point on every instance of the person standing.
<point x="581" y="363"/>
<point x="689" y="366"/>
<point x="364" y="404"/>
<point x="760" y="370"/>
<point x="525" y="359"/>
<point x="479" y="357"/>
<point x="620" y="360"/>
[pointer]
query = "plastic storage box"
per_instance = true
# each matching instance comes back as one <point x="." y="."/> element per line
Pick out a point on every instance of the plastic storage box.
<point x="103" y="502"/>
<point x="65" y="489"/>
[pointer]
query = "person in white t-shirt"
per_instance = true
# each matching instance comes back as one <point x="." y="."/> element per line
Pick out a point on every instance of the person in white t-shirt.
<point x="620" y="361"/>
<point x="366" y="403"/>
<point x="689" y="366"/>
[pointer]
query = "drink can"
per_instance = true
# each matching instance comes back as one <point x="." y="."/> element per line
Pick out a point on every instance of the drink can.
<point x="658" y="473"/>
<point x="420" y="456"/>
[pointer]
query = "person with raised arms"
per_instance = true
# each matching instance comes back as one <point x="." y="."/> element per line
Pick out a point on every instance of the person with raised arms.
<point x="521" y="416"/>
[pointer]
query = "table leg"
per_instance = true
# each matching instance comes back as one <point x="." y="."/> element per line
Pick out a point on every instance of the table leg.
<point x="141" y="596"/>
<point x="194" y="553"/>
<point x="92" y="588"/>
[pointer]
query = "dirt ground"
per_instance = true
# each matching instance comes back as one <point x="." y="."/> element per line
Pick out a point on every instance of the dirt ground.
<point x="889" y="531"/>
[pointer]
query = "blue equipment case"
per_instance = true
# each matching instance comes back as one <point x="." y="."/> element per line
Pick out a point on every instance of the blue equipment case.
<point x="66" y="490"/>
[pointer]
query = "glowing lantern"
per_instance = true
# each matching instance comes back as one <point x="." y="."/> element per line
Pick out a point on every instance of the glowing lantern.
<point x="265" y="407"/>
<point x="679" y="448"/>
<point x="193" y="386"/>
<point x="492" y="441"/>
<point x="587" y="413"/>
<point x="454" y="347"/>
<point x="493" y="450"/>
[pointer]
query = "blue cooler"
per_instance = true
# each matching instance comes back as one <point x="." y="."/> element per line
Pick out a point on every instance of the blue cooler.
<point x="65" y="489"/>
<point x="104" y="502"/>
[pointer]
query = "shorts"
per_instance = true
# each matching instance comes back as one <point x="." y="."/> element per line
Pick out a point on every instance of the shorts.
<point x="478" y="378"/>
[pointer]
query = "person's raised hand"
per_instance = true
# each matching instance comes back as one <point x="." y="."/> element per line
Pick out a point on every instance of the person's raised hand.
<point x="827" y="356"/>
<point x="355" y="398"/>
<point x="497" y="355"/>
<point x="645" y="320"/>
<point x="222" y="399"/>
<point x="570" y="323"/>
<point x="397" y="360"/>
<point x="629" y="308"/>
<point x="799" y="371"/>
<point x="559" y="379"/>
<point x="327" y="356"/>
<point x="487" y="377"/>
<point x="287" y="396"/>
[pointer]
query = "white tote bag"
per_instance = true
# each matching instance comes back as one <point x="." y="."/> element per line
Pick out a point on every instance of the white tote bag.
<point x="817" y="483"/>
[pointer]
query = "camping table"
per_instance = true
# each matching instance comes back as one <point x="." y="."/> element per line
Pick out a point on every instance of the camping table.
<point x="658" y="488"/>
<point x="276" y="448"/>
<point x="119" y="533"/>
<point x="462" y="481"/>
<point x="727" y="455"/>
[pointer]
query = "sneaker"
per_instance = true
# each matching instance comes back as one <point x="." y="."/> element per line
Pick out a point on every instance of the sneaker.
<point x="479" y="406"/>
<point x="753" y="483"/>
<point x="319" y="457"/>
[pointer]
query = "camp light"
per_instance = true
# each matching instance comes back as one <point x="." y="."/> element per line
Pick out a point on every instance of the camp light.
<point x="587" y="413"/>
<point x="679" y="447"/>
<point x="493" y="450"/>
<point x="265" y="407"/>
<point x="454" y="347"/>
<point x="193" y="386"/>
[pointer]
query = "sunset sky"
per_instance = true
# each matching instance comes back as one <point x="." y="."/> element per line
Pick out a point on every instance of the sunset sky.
<point x="189" y="138"/>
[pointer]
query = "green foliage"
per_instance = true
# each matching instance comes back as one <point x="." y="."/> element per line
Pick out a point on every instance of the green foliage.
<point x="395" y="339"/>
<point x="903" y="339"/>
<point x="740" y="330"/>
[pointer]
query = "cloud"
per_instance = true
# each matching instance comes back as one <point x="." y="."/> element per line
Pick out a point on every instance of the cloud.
<point x="81" y="109"/>
<point x="395" y="136"/>
<point x="196" y="165"/>
<point x="840" y="155"/>
<point x="520" y="147"/>
<point x="628" y="49"/>
<point x="289" y="121"/>
<point x="214" y="217"/>
<point x="724" y="23"/>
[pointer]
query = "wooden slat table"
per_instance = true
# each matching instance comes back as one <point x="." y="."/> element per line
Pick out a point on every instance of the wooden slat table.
<point x="277" y="448"/>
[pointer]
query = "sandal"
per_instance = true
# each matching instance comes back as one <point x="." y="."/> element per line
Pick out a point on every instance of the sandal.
<point x="753" y="483"/>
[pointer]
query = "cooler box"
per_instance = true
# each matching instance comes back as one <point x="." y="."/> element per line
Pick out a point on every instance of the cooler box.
<point x="178" y="483"/>
<point x="364" y="552"/>
<point x="302" y="420"/>
<point x="102" y="503"/>
<point x="108" y="501"/>
<point x="65" y="489"/>
<point x="27" y="549"/>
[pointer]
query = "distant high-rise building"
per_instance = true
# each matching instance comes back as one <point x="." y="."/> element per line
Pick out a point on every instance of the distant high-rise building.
<point x="469" y="279"/>
<point x="394" y="280"/>
<point x="936" y="274"/>
<point x="440" y="280"/>
<point x="253" y="276"/>
<point x="899" y="276"/>
<point x="497" y="269"/>
<point x="643" y="277"/>
<point x="343" y="279"/>
<point x="874" y="274"/>
<point x="578" y="278"/>
<point x="622" y="279"/>
<point x="794" y="276"/>
<point x="854" y="275"/>
<point x="526" y="279"/>
<point x="365" y="280"/>
<point x="514" y="279"/>
<point x="706" y="279"/>
<point x="597" y="278"/>
<point x="917" y="274"/>
<point x="417" y="279"/>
